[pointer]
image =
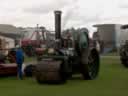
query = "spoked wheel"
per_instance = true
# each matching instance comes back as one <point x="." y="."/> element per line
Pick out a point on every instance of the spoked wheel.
<point x="124" y="60"/>
<point x="91" y="69"/>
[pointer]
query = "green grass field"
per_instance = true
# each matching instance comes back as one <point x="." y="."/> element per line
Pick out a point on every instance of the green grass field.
<point x="112" y="54"/>
<point x="29" y="59"/>
<point x="112" y="81"/>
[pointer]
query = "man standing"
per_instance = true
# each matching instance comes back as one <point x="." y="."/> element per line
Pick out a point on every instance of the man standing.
<point x="19" y="61"/>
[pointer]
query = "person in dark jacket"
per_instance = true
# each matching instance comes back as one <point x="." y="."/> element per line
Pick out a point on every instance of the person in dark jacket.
<point x="19" y="61"/>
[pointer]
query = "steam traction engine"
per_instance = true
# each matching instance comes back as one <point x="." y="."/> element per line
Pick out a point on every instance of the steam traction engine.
<point x="67" y="56"/>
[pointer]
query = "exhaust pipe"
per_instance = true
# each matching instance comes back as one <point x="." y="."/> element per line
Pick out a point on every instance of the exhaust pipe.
<point x="57" y="25"/>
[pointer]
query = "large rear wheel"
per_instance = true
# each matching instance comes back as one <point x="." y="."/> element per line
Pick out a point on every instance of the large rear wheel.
<point x="90" y="68"/>
<point x="124" y="62"/>
<point x="124" y="58"/>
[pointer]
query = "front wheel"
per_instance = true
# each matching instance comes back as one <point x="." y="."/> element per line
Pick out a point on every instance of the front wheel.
<point x="50" y="72"/>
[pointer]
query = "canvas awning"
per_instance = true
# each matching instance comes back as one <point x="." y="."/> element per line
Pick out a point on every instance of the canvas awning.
<point x="10" y="35"/>
<point x="10" y="31"/>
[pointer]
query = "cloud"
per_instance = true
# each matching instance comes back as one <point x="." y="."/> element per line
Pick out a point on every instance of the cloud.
<point x="47" y="7"/>
<point x="123" y="4"/>
<point x="80" y="13"/>
<point x="69" y="13"/>
<point x="75" y="12"/>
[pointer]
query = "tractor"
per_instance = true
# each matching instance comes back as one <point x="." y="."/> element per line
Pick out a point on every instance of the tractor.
<point x="68" y="55"/>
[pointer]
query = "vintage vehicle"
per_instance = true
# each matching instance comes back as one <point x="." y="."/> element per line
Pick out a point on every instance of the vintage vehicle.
<point x="29" y="45"/>
<point x="7" y="63"/>
<point x="124" y="53"/>
<point x="69" y="55"/>
<point x="8" y="69"/>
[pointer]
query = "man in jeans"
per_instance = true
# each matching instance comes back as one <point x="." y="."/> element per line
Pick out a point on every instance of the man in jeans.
<point x="19" y="61"/>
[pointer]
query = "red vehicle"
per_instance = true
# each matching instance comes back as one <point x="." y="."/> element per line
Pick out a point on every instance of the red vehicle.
<point x="29" y="46"/>
<point x="8" y="69"/>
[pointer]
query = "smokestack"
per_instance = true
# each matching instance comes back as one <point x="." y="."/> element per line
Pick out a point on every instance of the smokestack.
<point x="58" y="24"/>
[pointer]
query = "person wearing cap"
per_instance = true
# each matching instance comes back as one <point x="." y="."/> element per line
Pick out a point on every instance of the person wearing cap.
<point x="19" y="61"/>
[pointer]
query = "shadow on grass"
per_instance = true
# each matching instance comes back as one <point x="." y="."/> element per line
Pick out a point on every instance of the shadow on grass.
<point x="71" y="81"/>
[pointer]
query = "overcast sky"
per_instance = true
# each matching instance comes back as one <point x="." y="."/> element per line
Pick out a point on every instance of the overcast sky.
<point x="76" y="13"/>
